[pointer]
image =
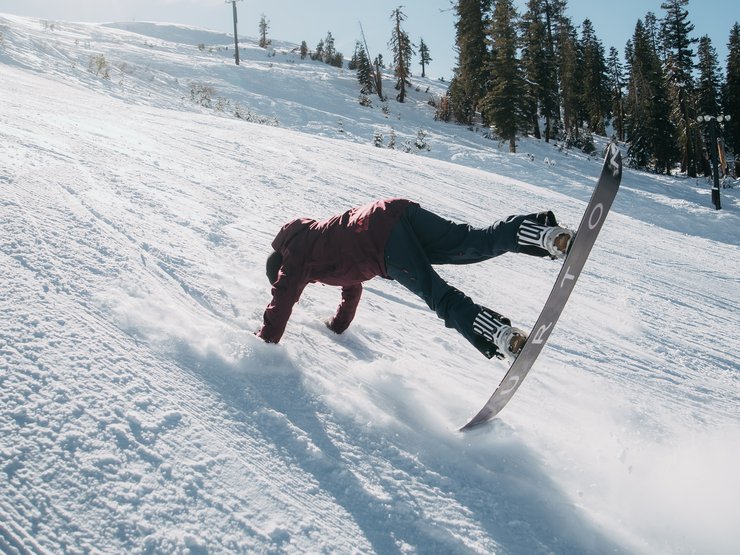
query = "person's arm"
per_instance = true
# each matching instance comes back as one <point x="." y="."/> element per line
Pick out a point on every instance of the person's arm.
<point x="346" y="312"/>
<point x="286" y="291"/>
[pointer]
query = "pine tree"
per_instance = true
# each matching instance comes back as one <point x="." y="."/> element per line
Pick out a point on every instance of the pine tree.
<point x="570" y="64"/>
<point x="304" y="50"/>
<point x="354" y="60"/>
<point x="553" y="12"/>
<point x="649" y="129"/>
<point x="329" y="49"/>
<point x="731" y="92"/>
<point x="616" y="87"/>
<point x="377" y="66"/>
<point x="443" y="111"/>
<point x="331" y="55"/>
<point x="375" y="72"/>
<point x="652" y="29"/>
<point x="675" y="32"/>
<point x="402" y="49"/>
<point x="709" y="85"/>
<point x="503" y="107"/>
<point x="264" y="42"/>
<point x="638" y="103"/>
<point x="318" y="53"/>
<point x="468" y="84"/>
<point x="534" y="64"/>
<point x="595" y="94"/>
<point x="425" y="57"/>
<point x="365" y="72"/>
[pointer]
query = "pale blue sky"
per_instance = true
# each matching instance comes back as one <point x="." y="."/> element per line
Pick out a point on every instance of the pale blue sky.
<point x="297" y="20"/>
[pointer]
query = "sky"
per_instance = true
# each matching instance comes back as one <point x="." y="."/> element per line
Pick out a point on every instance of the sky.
<point x="432" y="20"/>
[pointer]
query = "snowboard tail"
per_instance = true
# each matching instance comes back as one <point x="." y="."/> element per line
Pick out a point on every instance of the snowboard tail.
<point x="588" y="230"/>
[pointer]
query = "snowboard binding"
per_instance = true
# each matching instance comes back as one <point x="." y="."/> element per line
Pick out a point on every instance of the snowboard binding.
<point x="495" y="336"/>
<point x="545" y="236"/>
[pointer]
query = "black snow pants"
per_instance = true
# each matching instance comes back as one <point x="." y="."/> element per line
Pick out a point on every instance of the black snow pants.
<point x="421" y="239"/>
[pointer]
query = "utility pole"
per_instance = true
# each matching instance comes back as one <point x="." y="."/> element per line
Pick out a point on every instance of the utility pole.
<point x="236" y="40"/>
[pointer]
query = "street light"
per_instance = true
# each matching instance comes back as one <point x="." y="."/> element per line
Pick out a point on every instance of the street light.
<point x="713" y="146"/>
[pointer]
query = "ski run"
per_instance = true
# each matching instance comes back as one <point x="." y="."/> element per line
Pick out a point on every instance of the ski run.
<point x="140" y="414"/>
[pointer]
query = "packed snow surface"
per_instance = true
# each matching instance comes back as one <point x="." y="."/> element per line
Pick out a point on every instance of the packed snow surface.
<point x="139" y="413"/>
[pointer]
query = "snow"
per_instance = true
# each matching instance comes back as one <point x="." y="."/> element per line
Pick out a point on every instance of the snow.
<point x="139" y="413"/>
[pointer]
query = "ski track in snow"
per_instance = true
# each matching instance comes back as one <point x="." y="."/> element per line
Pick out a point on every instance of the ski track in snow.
<point x="140" y="414"/>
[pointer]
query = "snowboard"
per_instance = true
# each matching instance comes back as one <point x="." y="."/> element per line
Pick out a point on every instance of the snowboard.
<point x="591" y="223"/>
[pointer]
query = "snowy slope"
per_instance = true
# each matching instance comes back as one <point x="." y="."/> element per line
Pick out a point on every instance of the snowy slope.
<point x="138" y="413"/>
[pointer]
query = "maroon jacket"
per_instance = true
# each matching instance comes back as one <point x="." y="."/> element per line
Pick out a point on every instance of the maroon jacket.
<point x="344" y="250"/>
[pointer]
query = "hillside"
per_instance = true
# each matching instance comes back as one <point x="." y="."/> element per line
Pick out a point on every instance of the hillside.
<point x="138" y="412"/>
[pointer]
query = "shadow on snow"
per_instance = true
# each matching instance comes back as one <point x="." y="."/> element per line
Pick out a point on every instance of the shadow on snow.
<point x="505" y="494"/>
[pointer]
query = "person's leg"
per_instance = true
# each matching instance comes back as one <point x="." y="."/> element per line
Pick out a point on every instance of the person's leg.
<point x="408" y="264"/>
<point x="446" y="242"/>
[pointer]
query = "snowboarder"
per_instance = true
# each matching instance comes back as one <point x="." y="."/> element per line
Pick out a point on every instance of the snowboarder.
<point x="398" y="239"/>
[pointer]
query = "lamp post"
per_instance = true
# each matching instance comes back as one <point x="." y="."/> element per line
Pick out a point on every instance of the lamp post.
<point x="236" y="40"/>
<point x="713" y="145"/>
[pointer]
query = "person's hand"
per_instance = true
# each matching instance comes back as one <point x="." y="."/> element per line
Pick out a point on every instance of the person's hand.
<point x="330" y="324"/>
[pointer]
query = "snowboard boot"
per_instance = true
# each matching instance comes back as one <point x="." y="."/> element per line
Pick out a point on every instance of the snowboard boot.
<point x="495" y="336"/>
<point x="547" y="236"/>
